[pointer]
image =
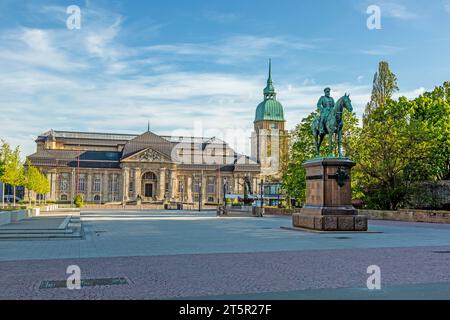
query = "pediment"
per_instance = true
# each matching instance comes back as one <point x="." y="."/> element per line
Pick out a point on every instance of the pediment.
<point x="148" y="155"/>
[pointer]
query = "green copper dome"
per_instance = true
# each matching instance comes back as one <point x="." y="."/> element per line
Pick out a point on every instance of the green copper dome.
<point x="270" y="109"/>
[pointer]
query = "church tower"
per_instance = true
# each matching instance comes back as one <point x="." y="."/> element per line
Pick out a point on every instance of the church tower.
<point x="270" y="139"/>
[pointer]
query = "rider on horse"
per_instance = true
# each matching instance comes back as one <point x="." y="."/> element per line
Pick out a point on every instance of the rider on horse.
<point x="325" y="105"/>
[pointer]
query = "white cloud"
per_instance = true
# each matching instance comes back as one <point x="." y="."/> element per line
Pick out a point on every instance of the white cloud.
<point x="382" y="50"/>
<point x="88" y="80"/>
<point x="392" y="9"/>
<point x="221" y="17"/>
<point x="447" y="7"/>
<point x="234" y="49"/>
<point x="395" y="10"/>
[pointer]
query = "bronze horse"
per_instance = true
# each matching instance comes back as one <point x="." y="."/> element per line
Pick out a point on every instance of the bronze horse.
<point x="333" y="125"/>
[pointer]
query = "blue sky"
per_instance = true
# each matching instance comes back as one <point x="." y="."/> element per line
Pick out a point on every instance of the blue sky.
<point x="199" y="67"/>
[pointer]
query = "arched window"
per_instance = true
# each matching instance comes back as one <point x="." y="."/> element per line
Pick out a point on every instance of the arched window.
<point x="63" y="197"/>
<point x="97" y="198"/>
<point x="149" y="176"/>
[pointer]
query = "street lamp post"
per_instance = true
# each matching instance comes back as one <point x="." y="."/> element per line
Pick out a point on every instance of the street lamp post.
<point x="261" y="187"/>
<point x="200" y="195"/>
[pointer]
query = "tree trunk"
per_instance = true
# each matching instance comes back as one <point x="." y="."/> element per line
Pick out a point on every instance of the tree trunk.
<point x="29" y="198"/>
<point x="14" y="196"/>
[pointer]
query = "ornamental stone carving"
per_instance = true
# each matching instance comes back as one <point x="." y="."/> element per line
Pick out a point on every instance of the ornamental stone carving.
<point x="150" y="155"/>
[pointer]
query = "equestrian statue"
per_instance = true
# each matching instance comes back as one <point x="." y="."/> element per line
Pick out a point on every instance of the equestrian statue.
<point x="330" y="121"/>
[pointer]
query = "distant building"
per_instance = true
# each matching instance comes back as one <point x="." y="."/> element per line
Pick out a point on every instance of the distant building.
<point x="148" y="168"/>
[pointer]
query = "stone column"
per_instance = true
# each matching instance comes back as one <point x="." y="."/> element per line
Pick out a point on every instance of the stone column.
<point x="73" y="187"/>
<point x="105" y="187"/>
<point x="162" y="183"/>
<point x="189" y="188"/>
<point x="173" y="185"/>
<point x="120" y="182"/>
<point x="89" y="196"/>
<point x="125" y="184"/>
<point x="204" y="196"/>
<point x="51" y="176"/>
<point x="137" y="183"/>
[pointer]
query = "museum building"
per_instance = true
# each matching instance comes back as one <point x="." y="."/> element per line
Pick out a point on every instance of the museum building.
<point x="156" y="169"/>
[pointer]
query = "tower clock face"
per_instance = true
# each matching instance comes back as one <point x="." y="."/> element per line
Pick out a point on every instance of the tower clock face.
<point x="274" y="125"/>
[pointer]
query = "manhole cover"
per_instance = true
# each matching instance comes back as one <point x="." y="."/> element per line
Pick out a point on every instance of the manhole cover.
<point x="342" y="238"/>
<point x="52" y="284"/>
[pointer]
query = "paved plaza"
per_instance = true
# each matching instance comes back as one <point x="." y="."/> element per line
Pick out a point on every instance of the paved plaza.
<point x="190" y="255"/>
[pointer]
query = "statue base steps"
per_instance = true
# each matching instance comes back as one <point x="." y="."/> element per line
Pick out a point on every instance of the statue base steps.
<point x="328" y="198"/>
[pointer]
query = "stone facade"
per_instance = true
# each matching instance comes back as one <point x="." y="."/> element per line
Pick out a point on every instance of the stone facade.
<point x="147" y="168"/>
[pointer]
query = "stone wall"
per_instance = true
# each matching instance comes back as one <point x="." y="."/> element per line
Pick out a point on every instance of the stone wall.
<point x="430" y="195"/>
<point x="410" y="215"/>
<point x="145" y="207"/>
<point x="280" y="211"/>
<point x="5" y="217"/>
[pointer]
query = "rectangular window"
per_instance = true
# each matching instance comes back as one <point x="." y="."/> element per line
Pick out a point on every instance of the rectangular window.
<point x="210" y="186"/>
<point x="131" y="188"/>
<point x="196" y="186"/>
<point x="181" y="186"/>
<point x="97" y="185"/>
<point x="114" y="185"/>
<point x="81" y="184"/>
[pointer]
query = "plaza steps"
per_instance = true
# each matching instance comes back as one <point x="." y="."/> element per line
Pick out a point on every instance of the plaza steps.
<point x="69" y="228"/>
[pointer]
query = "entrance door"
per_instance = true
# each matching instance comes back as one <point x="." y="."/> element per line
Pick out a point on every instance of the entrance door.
<point x="148" y="191"/>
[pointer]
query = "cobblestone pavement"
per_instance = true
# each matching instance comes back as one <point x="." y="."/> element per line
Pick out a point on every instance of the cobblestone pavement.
<point x="166" y="255"/>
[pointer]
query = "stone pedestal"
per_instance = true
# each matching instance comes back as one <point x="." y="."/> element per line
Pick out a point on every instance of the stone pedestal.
<point x="328" y="205"/>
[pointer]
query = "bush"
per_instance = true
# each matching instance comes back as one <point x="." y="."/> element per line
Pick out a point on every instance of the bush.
<point x="78" y="201"/>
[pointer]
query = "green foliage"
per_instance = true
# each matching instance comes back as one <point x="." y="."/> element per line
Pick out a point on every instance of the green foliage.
<point x="402" y="142"/>
<point x="78" y="201"/>
<point x="12" y="168"/>
<point x="384" y="86"/>
<point x="5" y="152"/>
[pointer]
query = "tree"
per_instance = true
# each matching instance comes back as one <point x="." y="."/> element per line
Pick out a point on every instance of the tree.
<point x="32" y="179"/>
<point x="13" y="171"/>
<point x="398" y="149"/>
<point x="5" y="152"/>
<point x="78" y="201"/>
<point x="433" y="110"/>
<point x="43" y="185"/>
<point x="384" y="86"/>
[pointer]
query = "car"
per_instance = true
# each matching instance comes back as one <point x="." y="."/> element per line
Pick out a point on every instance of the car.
<point x="10" y="198"/>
